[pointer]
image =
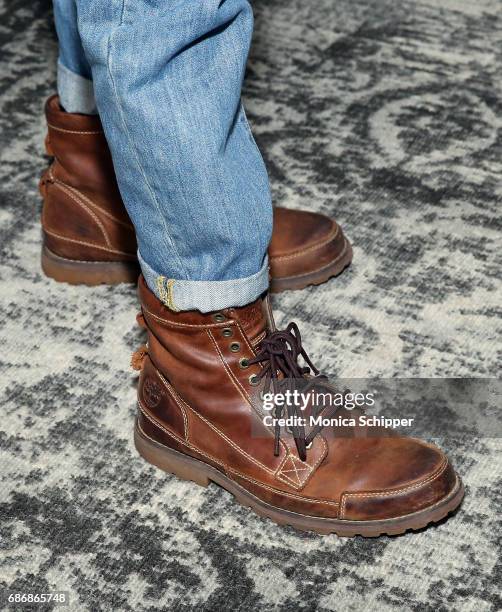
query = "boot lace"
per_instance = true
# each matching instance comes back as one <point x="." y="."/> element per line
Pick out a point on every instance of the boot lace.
<point x="278" y="356"/>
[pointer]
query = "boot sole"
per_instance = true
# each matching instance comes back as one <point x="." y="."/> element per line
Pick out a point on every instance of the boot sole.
<point x="300" y="281"/>
<point x="191" y="469"/>
<point x="77" y="272"/>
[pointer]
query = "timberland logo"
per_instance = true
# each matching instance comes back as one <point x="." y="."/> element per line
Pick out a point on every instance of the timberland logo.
<point x="152" y="392"/>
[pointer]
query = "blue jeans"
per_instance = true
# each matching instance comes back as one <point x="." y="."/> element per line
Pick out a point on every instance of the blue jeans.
<point x="166" y="79"/>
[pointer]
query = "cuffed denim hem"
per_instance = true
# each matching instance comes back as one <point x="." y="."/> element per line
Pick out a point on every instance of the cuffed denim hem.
<point x="205" y="296"/>
<point x="76" y="93"/>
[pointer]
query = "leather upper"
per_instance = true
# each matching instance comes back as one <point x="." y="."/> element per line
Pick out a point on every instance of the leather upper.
<point x="303" y="242"/>
<point x="83" y="216"/>
<point x="85" y="219"/>
<point x="195" y="397"/>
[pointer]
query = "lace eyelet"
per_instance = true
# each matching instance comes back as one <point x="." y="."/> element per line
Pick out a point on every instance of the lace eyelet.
<point x="243" y="363"/>
<point x="218" y="317"/>
<point x="227" y="332"/>
<point x="235" y="347"/>
<point x="254" y="380"/>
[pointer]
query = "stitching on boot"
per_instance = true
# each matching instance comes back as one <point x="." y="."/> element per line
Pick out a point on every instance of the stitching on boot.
<point x="332" y="235"/>
<point x="235" y="381"/>
<point x="58" y="129"/>
<point x="78" y="201"/>
<point x="300" y="497"/>
<point x="188" y="325"/>
<point x="256" y="341"/>
<point x="179" y="400"/>
<point x="294" y="469"/>
<point x="88" y="244"/>
<point x="333" y="261"/>
<point x="180" y="405"/>
<point x="390" y="493"/>
<point x="309" y="469"/>
<point x="93" y="204"/>
<point x="227" y="468"/>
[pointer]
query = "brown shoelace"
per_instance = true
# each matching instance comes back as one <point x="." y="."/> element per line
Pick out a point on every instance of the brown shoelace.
<point x="279" y="353"/>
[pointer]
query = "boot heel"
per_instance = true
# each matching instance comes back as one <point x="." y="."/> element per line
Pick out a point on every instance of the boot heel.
<point x="168" y="460"/>
<point x="89" y="273"/>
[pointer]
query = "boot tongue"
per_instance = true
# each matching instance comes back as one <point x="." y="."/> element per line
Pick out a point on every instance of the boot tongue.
<point x="252" y="318"/>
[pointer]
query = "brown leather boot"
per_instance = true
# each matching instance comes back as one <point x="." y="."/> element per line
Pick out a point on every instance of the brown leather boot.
<point x="87" y="235"/>
<point x="89" y="238"/>
<point x="199" y="418"/>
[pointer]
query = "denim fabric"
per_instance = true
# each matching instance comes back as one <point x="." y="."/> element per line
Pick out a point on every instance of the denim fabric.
<point x="76" y="93"/>
<point x="203" y="295"/>
<point x="167" y="81"/>
<point x="71" y="52"/>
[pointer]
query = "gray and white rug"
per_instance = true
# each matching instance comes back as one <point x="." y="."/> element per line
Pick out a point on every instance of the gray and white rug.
<point x="386" y="115"/>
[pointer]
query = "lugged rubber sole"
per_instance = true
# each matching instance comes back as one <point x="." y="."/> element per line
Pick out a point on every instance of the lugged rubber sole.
<point x="300" y="281"/>
<point x="188" y="468"/>
<point x="76" y="272"/>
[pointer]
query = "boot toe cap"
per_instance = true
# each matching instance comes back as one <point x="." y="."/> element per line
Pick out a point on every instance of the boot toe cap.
<point x="304" y="242"/>
<point x="421" y="478"/>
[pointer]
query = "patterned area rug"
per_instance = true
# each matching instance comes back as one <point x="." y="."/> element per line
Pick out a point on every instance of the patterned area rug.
<point x="386" y="115"/>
